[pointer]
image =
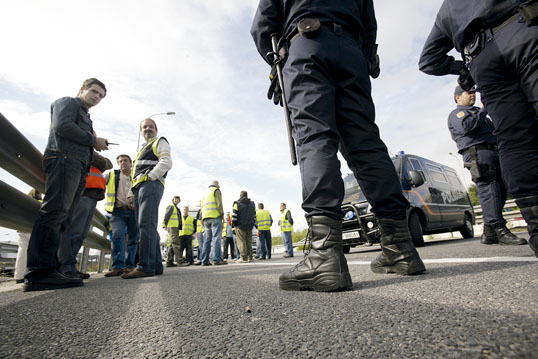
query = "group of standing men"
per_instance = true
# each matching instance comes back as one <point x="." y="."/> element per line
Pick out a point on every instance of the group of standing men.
<point x="133" y="196"/>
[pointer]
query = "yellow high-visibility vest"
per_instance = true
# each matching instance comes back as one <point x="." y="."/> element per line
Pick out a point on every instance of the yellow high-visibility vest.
<point x="145" y="161"/>
<point x="209" y="204"/>
<point x="111" y="190"/>
<point x="173" y="221"/>
<point x="187" y="226"/>
<point x="285" y="225"/>
<point x="264" y="219"/>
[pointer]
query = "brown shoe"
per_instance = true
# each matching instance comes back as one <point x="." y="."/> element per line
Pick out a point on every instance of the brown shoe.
<point x="136" y="274"/>
<point x="219" y="263"/>
<point x="128" y="270"/>
<point x="114" y="272"/>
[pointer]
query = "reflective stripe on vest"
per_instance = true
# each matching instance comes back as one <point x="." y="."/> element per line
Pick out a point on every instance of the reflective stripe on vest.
<point x="111" y="191"/>
<point x="187" y="226"/>
<point x="285" y="225"/>
<point x="209" y="204"/>
<point x="173" y="221"/>
<point x="145" y="161"/>
<point x="95" y="179"/>
<point x="264" y="219"/>
<point x="199" y="227"/>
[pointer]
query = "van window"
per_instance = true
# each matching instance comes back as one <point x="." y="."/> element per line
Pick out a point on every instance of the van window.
<point x="437" y="173"/>
<point x="414" y="164"/>
<point x="453" y="178"/>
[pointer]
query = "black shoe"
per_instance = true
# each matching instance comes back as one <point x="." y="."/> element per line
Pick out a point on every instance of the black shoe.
<point x="506" y="237"/>
<point x="489" y="236"/>
<point x="19" y="281"/>
<point x="398" y="255"/>
<point x="84" y="275"/>
<point x="54" y="280"/>
<point x="159" y="272"/>
<point x="324" y="267"/>
<point x="171" y="265"/>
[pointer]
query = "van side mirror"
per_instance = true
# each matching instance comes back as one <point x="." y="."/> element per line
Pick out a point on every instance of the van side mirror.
<point x="415" y="179"/>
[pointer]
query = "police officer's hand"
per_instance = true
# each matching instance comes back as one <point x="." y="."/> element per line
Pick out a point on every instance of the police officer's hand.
<point x="465" y="80"/>
<point x="373" y="67"/>
<point x="275" y="92"/>
<point x="373" y="62"/>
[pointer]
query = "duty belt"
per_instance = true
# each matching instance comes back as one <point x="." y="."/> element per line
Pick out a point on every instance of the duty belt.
<point x="489" y="147"/>
<point x="475" y="46"/>
<point x="326" y="26"/>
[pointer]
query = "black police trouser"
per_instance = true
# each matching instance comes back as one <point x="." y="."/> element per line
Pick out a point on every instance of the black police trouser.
<point x="490" y="187"/>
<point x="329" y="95"/>
<point x="506" y="72"/>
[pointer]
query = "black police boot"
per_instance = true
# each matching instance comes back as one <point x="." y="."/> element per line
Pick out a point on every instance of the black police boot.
<point x="529" y="210"/>
<point x="324" y="267"/>
<point x="489" y="236"/>
<point x="398" y="255"/>
<point x="506" y="237"/>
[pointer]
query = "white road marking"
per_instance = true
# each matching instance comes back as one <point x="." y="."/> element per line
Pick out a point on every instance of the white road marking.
<point x="427" y="261"/>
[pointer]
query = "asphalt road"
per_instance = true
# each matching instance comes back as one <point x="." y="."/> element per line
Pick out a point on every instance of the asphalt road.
<point x="475" y="301"/>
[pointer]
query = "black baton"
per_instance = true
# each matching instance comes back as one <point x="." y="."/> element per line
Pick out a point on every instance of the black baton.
<point x="278" y="64"/>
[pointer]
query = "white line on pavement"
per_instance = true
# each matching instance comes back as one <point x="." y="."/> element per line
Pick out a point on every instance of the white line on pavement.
<point x="427" y="261"/>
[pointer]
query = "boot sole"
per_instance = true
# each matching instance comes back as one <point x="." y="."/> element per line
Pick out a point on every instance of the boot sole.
<point x="38" y="287"/>
<point x="401" y="268"/>
<point x="322" y="283"/>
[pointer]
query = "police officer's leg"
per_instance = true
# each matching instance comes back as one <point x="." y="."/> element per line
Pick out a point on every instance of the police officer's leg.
<point x="491" y="196"/>
<point x="367" y="157"/>
<point x="507" y="79"/>
<point x="311" y="93"/>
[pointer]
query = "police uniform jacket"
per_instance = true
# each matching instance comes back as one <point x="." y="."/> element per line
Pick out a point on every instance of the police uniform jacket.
<point x="457" y="23"/>
<point x="470" y="126"/>
<point x="281" y="17"/>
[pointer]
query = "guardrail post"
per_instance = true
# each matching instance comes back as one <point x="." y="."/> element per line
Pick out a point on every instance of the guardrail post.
<point x="101" y="263"/>
<point x="84" y="259"/>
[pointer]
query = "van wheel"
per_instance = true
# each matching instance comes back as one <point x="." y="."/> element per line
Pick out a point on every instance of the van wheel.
<point x="416" y="230"/>
<point x="467" y="230"/>
<point x="346" y="249"/>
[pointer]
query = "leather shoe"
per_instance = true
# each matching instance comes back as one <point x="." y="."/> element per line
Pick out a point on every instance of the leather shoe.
<point x="128" y="269"/>
<point x="219" y="263"/>
<point x="54" y="280"/>
<point x="136" y="274"/>
<point x="114" y="272"/>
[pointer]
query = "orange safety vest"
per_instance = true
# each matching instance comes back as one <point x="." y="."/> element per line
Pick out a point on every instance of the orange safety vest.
<point x="95" y="179"/>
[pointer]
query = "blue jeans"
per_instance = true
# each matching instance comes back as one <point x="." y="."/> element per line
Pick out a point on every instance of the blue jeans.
<point x="75" y="235"/>
<point x="146" y="200"/>
<point x="237" y="254"/>
<point x="288" y="244"/>
<point x="213" y="239"/>
<point x="201" y="240"/>
<point x="264" y="238"/>
<point x="123" y="221"/>
<point x="66" y="179"/>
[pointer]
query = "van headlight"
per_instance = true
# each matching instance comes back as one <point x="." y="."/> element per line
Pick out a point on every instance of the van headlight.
<point x="350" y="215"/>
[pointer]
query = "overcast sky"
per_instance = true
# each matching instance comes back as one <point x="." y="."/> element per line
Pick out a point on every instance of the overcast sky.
<point x="197" y="58"/>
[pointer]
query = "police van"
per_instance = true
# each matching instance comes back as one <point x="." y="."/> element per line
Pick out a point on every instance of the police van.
<point x="439" y="203"/>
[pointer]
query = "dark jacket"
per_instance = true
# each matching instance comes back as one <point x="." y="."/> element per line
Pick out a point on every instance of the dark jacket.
<point x="457" y="23"/>
<point x="244" y="214"/>
<point x="71" y="131"/>
<point x="281" y="17"/>
<point x="470" y="126"/>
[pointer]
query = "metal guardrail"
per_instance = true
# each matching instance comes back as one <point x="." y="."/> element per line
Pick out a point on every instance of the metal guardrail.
<point x="511" y="212"/>
<point x="18" y="211"/>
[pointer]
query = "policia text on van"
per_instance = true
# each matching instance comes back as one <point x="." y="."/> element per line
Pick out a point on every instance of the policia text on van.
<point x="439" y="203"/>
